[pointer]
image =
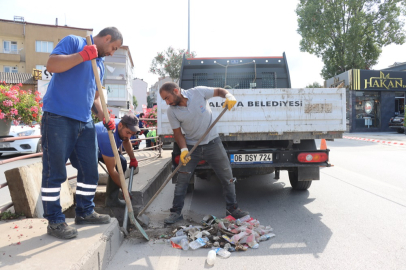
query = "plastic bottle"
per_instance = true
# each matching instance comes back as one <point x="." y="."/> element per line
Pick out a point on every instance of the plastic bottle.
<point x="177" y="239"/>
<point x="245" y="218"/>
<point x="184" y="243"/>
<point x="211" y="257"/>
<point x="266" y="236"/>
<point x="222" y="252"/>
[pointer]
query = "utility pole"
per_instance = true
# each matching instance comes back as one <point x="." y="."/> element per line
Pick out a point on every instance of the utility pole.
<point x="188" y="26"/>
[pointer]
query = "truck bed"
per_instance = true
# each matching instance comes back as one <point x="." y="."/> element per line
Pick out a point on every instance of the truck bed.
<point x="274" y="114"/>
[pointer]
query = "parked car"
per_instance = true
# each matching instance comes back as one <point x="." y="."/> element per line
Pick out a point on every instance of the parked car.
<point x="397" y="122"/>
<point x="27" y="146"/>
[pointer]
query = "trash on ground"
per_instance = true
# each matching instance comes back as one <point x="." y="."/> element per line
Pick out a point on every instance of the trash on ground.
<point x="222" y="235"/>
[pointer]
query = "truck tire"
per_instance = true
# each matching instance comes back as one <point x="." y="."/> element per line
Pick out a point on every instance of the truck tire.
<point x="298" y="185"/>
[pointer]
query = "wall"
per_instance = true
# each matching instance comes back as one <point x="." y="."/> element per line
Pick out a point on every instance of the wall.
<point x="139" y="88"/>
<point x="26" y="34"/>
<point x="45" y="33"/>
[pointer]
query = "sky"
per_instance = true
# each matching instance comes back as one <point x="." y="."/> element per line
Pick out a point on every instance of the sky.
<point x="219" y="28"/>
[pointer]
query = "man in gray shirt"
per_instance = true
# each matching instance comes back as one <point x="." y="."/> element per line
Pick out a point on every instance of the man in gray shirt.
<point x="190" y="111"/>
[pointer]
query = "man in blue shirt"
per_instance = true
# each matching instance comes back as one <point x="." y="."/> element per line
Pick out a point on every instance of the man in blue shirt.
<point x="124" y="129"/>
<point x="68" y="130"/>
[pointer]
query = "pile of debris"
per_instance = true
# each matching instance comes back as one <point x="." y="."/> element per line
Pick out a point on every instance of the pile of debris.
<point x="224" y="235"/>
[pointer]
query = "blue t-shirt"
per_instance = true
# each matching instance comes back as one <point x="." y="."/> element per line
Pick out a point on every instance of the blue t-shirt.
<point x="71" y="93"/>
<point x="103" y="139"/>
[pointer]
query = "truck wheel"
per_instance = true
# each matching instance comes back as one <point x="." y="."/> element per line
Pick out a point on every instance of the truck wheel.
<point x="298" y="185"/>
<point x="400" y="130"/>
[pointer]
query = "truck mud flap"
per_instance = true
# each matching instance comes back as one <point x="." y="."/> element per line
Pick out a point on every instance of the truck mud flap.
<point x="308" y="173"/>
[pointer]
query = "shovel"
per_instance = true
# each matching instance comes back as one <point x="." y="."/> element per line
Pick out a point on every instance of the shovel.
<point x="141" y="216"/>
<point x="114" y="147"/>
<point x="130" y="184"/>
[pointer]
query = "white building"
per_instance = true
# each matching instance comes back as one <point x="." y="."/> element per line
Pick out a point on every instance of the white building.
<point x="154" y="90"/>
<point x="118" y="80"/>
<point x="140" y="93"/>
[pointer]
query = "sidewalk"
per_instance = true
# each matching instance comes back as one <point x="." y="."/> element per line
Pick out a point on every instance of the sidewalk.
<point x="24" y="243"/>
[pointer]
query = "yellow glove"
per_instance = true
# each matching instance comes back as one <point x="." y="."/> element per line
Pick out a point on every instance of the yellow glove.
<point x="184" y="152"/>
<point x="230" y="101"/>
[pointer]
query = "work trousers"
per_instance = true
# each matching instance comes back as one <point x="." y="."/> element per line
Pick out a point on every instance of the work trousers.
<point x="215" y="155"/>
<point x="65" y="138"/>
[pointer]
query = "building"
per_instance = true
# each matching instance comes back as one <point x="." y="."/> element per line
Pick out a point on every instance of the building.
<point x="118" y="79"/>
<point x="140" y="93"/>
<point x="26" y="79"/>
<point x="373" y="96"/>
<point x="154" y="89"/>
<point x="25" y="46"/>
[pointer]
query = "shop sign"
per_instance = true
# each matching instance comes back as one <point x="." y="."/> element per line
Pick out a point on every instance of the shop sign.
<point x="378" y="80"/>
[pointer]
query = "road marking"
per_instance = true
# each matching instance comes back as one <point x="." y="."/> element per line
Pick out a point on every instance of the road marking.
<point x="395" y="143"/>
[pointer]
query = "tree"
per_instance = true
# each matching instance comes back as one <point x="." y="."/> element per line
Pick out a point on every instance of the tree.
<point x="314" y="85"/>
<point x="169" y="63"/>
<point x="135" y="102"/>
<point x="150" y="103"/>
<point x="349" y="34"/>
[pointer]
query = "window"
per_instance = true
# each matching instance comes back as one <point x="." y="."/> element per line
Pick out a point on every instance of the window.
<point x="44" y="46"/>
<point x="116" y="91"/>
<point x="367" y="109"/>
<point x="10" y="47"/>
<point x="10" y="69"/>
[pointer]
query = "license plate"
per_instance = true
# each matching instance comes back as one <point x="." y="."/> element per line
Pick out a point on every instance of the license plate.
<point x="251" y="158"/>
<point x="396" y="120"/>
<point x="5" y="145"/>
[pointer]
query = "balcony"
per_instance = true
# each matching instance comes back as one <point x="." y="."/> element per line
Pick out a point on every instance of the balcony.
<point x="12" y="56"/>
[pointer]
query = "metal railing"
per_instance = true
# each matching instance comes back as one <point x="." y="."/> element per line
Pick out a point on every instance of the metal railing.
<point x="8" y="205"/>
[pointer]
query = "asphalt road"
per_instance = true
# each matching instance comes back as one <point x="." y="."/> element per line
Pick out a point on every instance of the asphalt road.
<point x="353" y="218"/>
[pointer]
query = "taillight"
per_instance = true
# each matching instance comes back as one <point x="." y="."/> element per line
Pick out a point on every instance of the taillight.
<point x="312" y="157"/>
<point x="177" y="158"/>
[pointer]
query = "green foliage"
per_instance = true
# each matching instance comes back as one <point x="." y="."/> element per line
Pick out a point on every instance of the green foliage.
<point x="349" y="34"/>
<point x="314" y="85"/>
<point x="8" y="215"/>
<point x="150" y="103"/>
<point x="135" y="102"/>
<point x="169" y="62"/>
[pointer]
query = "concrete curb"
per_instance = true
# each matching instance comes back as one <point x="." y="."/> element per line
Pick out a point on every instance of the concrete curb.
<point x="26" y="245"/>
<point x="142" y="197"/>
<point x="103" y="250"/>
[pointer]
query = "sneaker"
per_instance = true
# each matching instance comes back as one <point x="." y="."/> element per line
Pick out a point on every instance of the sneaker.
<point x="238" y="213"/>
<point x="93" y="218"/>
<point x="173" y="217"/>
<point x="62" y="230"/>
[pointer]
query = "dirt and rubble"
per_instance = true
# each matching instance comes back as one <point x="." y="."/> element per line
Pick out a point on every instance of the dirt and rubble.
<point x="225" y="235"/>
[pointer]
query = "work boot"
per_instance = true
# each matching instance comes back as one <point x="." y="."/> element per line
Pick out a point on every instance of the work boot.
<point x="173" y="217"/>
<point x="62" y="230"/>
<point x="93" y="218"/>
<point x="112" y="191"/>
<point x="238" y="213"/>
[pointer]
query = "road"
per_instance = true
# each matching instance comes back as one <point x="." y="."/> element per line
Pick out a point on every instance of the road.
<point x="353" y="218"/>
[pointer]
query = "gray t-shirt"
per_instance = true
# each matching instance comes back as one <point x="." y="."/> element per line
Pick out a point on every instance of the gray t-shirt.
<point x="196" y="118"/>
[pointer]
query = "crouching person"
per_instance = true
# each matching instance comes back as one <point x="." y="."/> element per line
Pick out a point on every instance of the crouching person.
<point x="124" y="129"/>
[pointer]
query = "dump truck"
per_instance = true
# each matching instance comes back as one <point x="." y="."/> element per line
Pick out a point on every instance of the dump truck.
<point x="272" y="127"/>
